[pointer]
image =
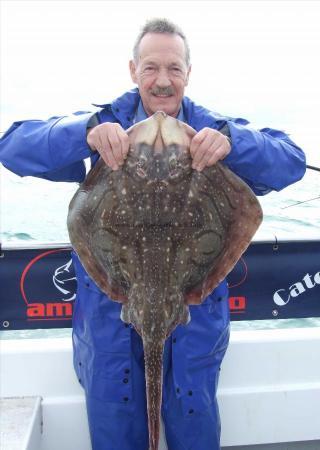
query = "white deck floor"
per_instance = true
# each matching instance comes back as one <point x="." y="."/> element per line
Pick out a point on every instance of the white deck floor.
<point x="20" y="423"/>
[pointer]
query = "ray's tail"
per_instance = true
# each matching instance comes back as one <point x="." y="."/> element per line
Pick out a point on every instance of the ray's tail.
<point x="153" y="356"/>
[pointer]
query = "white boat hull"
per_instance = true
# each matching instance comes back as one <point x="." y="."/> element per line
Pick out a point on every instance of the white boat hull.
<point x="269" y="392"/>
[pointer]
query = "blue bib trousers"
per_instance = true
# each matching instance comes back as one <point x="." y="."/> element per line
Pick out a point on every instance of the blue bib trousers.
<point x="112" y="373"/>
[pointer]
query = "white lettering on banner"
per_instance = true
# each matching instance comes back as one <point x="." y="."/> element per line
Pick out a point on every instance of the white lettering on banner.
<point x="283" y="296"/>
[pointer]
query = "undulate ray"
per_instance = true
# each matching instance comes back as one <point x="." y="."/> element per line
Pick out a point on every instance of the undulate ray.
<point x="158" y="236"/>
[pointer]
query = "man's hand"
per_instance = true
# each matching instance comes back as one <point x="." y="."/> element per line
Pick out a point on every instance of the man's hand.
<point x="111" y="141"/>
<point x="207" y="147"/>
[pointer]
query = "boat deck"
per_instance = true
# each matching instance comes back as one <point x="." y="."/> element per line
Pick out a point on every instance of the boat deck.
<point x="269" y="392"/>
<point x="20" y="423"/>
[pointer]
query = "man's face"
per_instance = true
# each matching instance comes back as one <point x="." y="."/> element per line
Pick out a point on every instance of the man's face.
<point x="161" y="72"/>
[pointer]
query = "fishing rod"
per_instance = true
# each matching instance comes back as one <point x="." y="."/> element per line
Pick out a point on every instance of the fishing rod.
<point x="303" y="201"/>
<point x="313" y="168"/>
<point x="317" y="169"/>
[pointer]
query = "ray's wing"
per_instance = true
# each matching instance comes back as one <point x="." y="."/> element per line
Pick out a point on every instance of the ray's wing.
<point x="233" y="215"/>
<point x="89" y="234"/>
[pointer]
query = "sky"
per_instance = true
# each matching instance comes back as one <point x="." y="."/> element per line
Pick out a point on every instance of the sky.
<point x="254" y="59"/>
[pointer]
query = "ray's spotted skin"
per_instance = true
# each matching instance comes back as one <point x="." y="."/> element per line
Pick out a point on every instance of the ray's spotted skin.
<point x="158" y="236"/>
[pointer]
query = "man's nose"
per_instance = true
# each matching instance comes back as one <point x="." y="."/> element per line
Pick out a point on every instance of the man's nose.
<point x="163" y="79"/>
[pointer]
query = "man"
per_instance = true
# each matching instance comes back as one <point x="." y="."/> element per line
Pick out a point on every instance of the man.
<point x="108" y="354"/>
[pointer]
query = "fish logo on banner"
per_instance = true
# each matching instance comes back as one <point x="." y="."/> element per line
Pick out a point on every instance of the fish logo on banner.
<point x="48" y="290"/>
<point x="63" y="279"/>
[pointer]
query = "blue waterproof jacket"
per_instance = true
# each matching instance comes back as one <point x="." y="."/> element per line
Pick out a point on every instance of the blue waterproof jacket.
<point x="108" y="353"/>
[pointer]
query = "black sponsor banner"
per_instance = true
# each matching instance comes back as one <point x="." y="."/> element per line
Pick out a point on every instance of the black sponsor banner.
<point x="37" y="289"/>
<point x="271" y="281"/>
<point x="276" y="281"/>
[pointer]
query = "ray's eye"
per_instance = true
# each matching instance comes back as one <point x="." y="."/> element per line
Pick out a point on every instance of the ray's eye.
<point x="144" y="155"/>
<point x="142" y="162"/>
<point x="142" y="165"/>
<point x="173" y="163"/>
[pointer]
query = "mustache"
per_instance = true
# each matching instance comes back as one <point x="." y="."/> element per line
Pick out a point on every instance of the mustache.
<point x="162" y="91"/>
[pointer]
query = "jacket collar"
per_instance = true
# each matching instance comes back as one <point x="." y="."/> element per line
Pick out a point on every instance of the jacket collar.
<point x="123" y="107"/>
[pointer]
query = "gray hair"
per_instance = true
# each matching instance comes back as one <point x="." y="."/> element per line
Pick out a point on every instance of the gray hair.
<point x="160" y="26"/>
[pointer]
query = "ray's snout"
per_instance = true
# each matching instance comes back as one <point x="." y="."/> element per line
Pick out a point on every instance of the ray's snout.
<point x="160" y="115"/>
<point x="160" y="148"/>
<point x="160" y="130"/>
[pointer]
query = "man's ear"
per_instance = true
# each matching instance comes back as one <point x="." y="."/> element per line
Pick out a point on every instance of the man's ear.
<point x="132" y="68"/>
<point x="187" y="77"/>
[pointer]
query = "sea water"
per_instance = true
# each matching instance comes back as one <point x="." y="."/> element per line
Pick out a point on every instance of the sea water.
<point x="35" y="210"/>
